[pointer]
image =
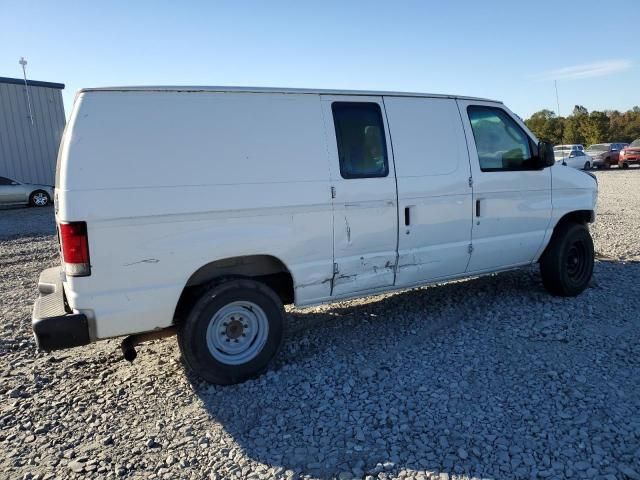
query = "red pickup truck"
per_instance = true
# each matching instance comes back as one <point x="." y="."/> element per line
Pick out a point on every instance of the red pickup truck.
<point x="630" y="154"/>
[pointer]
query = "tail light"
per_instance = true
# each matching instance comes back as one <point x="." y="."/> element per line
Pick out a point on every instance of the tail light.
<point x="74" y="244"/>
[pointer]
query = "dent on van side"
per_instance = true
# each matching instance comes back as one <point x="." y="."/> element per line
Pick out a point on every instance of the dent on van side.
<point x="202" y="211"/>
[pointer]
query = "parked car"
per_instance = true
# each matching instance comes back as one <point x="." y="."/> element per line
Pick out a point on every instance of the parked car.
<point x="572" y="146"/>
<point x="13" y="192"/>
<point x="257" y="198"/>
<point x="605" y="154"/>
<point x="630" y="154"/>
<point x="572" y="157"/>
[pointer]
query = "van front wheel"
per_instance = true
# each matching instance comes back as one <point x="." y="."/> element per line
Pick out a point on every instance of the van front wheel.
<point x="567" y="264"/>
<point x="233" y="331"/>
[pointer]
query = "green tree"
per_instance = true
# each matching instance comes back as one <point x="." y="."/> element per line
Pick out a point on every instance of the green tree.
<point x="572" y="130"/>
<point x="586" y="128"/>
<point x="595" y="128"/>
<point x="546" y="126"/>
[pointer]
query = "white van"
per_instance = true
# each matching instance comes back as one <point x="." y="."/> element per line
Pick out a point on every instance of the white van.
<point x="202" y="210"/>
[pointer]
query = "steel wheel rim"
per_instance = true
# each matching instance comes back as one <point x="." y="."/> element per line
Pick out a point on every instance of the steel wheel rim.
<point x="40" y="199"/>
<point x="577" y="261"/>
<point x="237" y="333"/>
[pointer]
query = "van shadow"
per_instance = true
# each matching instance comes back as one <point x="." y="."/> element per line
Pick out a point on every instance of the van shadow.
<point x="475" y="377"/>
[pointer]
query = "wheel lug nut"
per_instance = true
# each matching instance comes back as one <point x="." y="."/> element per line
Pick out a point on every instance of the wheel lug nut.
<point x="245" y="326"/>
<point x="228" y="339"/>
<point x="237" y="340"/>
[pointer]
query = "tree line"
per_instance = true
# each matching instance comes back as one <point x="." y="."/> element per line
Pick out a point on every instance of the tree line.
<point x="586" y="128"/>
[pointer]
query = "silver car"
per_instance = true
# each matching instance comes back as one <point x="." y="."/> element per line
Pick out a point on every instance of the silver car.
<point x="16" y="193"/>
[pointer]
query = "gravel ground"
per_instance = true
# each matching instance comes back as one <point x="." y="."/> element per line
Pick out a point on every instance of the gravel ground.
<point x="486" y="378"/>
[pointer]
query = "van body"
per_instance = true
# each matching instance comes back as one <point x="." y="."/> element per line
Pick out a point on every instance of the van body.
<point x="169" y="198"/>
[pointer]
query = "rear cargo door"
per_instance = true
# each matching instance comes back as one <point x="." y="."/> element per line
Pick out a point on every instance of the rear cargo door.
<point x="363" y="184"/>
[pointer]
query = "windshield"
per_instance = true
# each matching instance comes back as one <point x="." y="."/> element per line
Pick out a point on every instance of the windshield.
<point x="561" y="153"/>
<point x="635" y="143"/>
<point x="600" y="147"/>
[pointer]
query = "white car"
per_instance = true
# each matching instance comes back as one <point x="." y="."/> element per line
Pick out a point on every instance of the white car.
<point x="573" y="156"/>
<point x="202" y="210"/>
<point x="13" y="192"/>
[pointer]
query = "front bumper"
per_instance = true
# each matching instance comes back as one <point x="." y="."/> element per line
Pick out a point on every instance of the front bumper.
<point x="630" y="159"/>
<point x="54" y="325"/>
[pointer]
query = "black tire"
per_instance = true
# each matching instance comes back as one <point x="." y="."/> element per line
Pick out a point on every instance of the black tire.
<point x="567" y="264"/>
<point x="625" y="165"/>
<point x="193" y="331"/>
<point x="39" y="198"/>
<point x="607" y="164"/>
<point x="587" y="166"/>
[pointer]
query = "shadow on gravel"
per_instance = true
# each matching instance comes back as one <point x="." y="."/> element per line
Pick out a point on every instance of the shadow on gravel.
<point x="21" y="222"/>
<point x="486" y="377"/>
<point x="614" y="170"/>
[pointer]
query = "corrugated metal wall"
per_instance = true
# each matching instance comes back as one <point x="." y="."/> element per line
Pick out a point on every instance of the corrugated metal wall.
<point x="28" y="152"/>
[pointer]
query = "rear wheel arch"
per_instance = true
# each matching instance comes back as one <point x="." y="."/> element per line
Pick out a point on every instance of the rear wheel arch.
<point x="266" y="269"/>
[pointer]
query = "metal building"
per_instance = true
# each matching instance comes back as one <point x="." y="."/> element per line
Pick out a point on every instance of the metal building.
<point x="30" y="130"/>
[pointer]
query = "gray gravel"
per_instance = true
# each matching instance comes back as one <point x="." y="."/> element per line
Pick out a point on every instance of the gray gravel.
<point x="486" y="378"/>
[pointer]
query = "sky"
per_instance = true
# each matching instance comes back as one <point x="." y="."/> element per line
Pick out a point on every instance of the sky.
<point x="500" y="49"/>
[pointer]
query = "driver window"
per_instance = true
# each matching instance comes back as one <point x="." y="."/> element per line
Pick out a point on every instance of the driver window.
<point x="501" y="144"/>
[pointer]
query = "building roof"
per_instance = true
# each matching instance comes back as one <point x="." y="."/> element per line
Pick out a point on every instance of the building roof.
<point x="33" y="83"/>
<point x="223" y="89"/>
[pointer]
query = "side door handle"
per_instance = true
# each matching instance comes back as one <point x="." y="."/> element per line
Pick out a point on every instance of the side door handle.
<point x="407" y="216"/>
<point x="477" y="208"/>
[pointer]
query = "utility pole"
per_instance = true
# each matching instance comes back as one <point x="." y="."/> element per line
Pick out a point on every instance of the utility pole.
<point x="23" y="62"/>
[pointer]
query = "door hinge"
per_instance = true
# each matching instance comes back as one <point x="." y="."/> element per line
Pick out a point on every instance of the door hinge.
<point x="471" y="181"/>
<point x="333" y="192"/>
<point x="335" y="269"/>
<point x="470" y="249"/>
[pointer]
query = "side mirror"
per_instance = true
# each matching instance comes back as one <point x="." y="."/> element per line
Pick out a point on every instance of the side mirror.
<point x="546" y="155"/>
<point x="15" y="183"/>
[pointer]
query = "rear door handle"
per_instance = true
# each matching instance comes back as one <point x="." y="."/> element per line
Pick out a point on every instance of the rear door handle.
<point x="477" y="208"/>
<point x="407" y="216"/>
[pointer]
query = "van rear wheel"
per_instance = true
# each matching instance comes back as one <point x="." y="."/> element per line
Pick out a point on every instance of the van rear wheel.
<point x="233" y="331"/>
<point x="567" y="264"/>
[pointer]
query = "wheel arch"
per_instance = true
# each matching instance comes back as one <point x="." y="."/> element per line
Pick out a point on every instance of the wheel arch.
<point x="265" y="268"/>
<point x="576" y="216"/>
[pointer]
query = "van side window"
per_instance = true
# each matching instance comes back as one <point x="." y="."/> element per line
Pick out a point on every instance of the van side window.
<point x="362" y="148"/>
<point x="501" y="144"/>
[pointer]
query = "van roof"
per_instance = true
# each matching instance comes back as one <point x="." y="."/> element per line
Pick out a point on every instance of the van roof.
<point x="198" y="88"/>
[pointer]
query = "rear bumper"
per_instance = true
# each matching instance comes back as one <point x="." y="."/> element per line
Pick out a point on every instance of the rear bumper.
<point x="54" y="326"/>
